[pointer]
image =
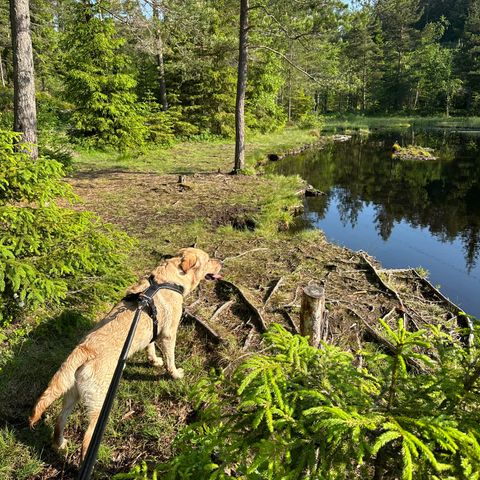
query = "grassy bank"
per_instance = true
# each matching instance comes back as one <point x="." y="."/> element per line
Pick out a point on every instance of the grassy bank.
<point x="240" y="219"/>
<point x="364" y="122"/>
<point x="195" y="157"/>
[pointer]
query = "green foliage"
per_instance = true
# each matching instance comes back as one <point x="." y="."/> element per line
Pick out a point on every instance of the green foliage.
<point x="17" y="461"/>
<point x="164" y="128"/>
<point x="300" y="412"/>
<point x="49" y="253"/>
<point x="98" y="83"/>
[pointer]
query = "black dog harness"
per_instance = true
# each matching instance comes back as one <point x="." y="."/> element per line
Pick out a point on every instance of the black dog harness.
<point x="145" y="300"/>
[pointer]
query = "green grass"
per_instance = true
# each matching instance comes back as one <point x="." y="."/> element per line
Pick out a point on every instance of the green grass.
<point x="17" y="460"/>
<point x="364" y="122"/>
<point x="194" y="157"/>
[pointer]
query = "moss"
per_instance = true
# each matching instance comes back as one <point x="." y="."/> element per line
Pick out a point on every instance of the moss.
<point x="412" y="152"/>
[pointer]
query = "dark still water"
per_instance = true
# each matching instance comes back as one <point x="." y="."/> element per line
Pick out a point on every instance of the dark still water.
<point x="405" y="213"/>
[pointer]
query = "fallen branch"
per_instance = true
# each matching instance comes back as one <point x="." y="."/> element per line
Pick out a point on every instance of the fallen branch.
<point x="249" y="338"/>
<point x="257" y="317"/>
<point x="387" y="287"/>
<point x="463" y="320"/>
<point x="289" y="319"/>
<point x="292" y="303"/>
<point x="244" y="253"/>
<point x="204" y="327"/>
<point x="221" y="309"/>
<point x="272" y="292"/>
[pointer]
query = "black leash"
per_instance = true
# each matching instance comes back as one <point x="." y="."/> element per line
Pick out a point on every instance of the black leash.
<point x="145" y="299"/>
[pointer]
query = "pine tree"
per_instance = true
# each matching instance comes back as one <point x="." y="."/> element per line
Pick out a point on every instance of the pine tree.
<point x="98" y="83"/>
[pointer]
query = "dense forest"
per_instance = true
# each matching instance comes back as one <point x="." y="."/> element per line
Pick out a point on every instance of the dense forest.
<point x="121" y="72"/>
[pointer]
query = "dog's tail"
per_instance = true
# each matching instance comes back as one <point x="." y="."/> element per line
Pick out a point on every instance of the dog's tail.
<point x="61" y="382"/>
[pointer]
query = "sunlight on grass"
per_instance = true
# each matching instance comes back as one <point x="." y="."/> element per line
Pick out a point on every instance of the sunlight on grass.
<point x="17" y="461"/>
<point x="362" y="122"/>
<point x="194" y="157"/>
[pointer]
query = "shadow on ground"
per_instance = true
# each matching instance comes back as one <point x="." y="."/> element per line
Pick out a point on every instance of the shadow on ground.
<point x="26" y="372"/>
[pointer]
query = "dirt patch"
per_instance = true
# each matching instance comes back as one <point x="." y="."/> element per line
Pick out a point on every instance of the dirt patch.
<point x="136" y="201"/>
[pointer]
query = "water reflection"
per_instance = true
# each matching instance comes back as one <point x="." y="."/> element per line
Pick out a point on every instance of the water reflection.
<point x="438" y="199"/>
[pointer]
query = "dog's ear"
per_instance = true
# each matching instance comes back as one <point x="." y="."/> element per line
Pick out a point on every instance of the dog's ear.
<point x="188" y="261"/>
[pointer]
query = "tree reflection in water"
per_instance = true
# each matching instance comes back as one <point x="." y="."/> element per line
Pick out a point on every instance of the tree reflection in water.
<point x="442" y="196"/>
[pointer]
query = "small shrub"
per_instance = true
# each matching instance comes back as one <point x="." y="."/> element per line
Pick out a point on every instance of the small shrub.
<point x="166" y="127"/>
<point x="311" y="120"/>
<point x="299" y="412"/>
<point x="49" y="253"/>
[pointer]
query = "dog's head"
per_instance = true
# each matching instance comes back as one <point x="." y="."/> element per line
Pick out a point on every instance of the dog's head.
<point x="195" y="265"/>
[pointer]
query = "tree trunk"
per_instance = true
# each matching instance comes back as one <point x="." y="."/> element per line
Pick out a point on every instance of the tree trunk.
<point x="159" y="57"/>
<point x="364" y="85"/>
<point x="2" y="76"/>
<point x="25" y="112"/>
<point x="241" y="88"/>
<point x="417" y="94"/>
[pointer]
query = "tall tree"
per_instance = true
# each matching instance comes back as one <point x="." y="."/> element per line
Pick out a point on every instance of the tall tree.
<point x="25" y="111"/>
<point x="159" y="54"/>
<point x="241" y="88"/>
<point x="398" y="19"/>
<point x="98" y="82"/>
<point x="471" y="57"/>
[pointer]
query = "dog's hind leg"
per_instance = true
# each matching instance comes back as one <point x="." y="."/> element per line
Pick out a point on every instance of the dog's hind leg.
<point x="88" y="434"/>
<point x="152" y="356"/>
<point x="69" y="400"/>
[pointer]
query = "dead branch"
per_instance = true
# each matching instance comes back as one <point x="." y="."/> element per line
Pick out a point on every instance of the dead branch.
<point x="272" y="292"/>
<point x="382" y="340"/>
<point x="244" y="253"/>
<point x="257" y="317"/>
<point x="292" y="303"/>
<point x="221" y="309"/>
<point x="211" y="334"/>
<point x="462" y="320"/>
<point x="289" y="319"/>
<point x="387" y="288"/>
<point x="249" y="338"/>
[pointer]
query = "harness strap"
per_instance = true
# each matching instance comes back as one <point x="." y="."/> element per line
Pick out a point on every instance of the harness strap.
<point x="145" y="299"/>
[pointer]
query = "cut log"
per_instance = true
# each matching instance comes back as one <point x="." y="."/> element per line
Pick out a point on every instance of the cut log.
<point x="312" y="318"/>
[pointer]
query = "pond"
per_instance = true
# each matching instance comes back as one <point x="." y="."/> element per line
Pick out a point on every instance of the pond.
<point x="404" y="213"/>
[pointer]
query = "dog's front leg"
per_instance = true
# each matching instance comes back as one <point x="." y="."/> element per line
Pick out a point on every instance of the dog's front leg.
<point x="167" y="342"/>
<point x="152" y="356"/>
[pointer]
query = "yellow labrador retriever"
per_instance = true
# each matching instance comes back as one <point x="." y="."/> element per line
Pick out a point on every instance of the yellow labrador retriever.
<point x="88" y="370"/>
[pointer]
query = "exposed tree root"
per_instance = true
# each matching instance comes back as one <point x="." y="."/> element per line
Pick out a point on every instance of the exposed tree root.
<point x="257" y="318"/>
<point x="209" y="332"/>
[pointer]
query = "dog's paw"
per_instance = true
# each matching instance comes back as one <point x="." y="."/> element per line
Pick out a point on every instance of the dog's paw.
<point x="155" y="362"/>
<point x="62" y="445"/>
<point x="178" y="374"/>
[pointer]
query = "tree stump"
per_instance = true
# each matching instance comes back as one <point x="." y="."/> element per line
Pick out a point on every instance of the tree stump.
<point x="312" y="314"/>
